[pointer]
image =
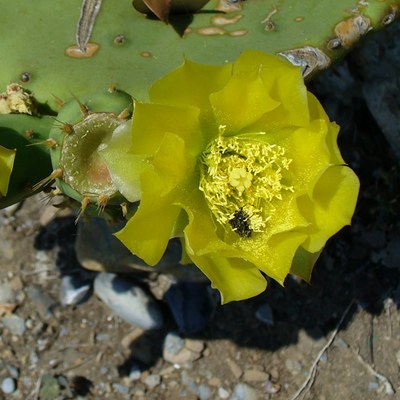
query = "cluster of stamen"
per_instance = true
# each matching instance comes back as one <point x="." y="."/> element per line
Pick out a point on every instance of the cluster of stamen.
<point x="241" y="179"/>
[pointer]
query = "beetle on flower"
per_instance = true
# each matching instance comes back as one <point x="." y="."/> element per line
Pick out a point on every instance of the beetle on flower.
<point x="241" y="162"/>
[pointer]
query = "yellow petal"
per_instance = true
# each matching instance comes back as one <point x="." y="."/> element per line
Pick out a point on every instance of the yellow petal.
<point x="147" y="233"/>
<point x="303" y="263"/>
<point x="125" y="168"/>
<point x="235" y="278"/>
<point x="151" y="121"/>
<point x="7" y="158"/>
<point x="242" y="101"/>
<point x="191" y="85"/>
<point x="332" y="206"/>
<point x="172" y="162"/>
<point x="317" y="112"/>
<point x="273" y="255"/>
<point x="286" y="86"/>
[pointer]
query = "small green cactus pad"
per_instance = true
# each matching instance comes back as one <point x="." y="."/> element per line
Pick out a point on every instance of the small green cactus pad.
<point x="83" y="126"/>
<point x="131" y="50"/>
<point x="28" y="135"/>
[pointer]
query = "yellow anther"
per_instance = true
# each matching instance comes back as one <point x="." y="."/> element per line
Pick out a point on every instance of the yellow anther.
<point x="240" y="179"/>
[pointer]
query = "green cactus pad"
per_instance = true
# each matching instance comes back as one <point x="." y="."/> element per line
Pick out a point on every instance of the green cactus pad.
<point x="130" y="50"/>
<point x="83" y="126"/>
<point x="28" y="136"/>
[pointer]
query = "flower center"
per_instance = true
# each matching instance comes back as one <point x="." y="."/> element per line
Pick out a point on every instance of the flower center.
<point x="240" y="179"/>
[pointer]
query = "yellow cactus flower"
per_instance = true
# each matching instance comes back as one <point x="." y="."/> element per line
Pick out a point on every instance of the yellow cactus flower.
<point x="241" y="162"/>
<point x="6" y="165"/>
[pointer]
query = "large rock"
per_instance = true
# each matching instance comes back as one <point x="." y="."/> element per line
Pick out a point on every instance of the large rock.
<point x="99" y="250"/>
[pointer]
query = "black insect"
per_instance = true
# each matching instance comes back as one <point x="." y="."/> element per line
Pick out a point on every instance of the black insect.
<point x="240" y="223"/>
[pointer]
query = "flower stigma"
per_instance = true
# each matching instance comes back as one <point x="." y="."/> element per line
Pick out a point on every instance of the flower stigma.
<point x="241" y="178"/>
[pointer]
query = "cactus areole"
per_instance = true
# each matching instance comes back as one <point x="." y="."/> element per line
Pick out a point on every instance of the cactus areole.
<point x="82" y="129"/>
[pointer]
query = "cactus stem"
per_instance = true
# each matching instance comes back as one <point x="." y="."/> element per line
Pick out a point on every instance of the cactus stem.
<point x="56" y="174"/>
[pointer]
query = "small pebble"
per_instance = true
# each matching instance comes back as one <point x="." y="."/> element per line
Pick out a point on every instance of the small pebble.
<point x="128" y="300"/>
<point x="274" y="372"/>
<point x="253" y="375"/>
<point x="152" y="381"/>
<point x="340" y="343"/>
<point x="293" y="366"/>
<point x="373" y="385"/>
<point x="189" y="383"/>
<point x="102" y="337"/>
<point x="120" y="388"/>
<point x="13" y="371"/>
<point x="243" y="392"/>
<point x="223" y="393"/>
<point x="173" y="343"/>
<point x="398" y="358"/>
<point x="33" y="358"/>
<point x="204" y="392"/>
<point x="15" y="324"/>
<point x="271" y="388"/>
<point x="74" y="290"/>
<point x="196" y="346"/>
<point x="214" y="382"/>
<point x="134" y="372"/>
<point x="7" y="295"/>
<point x="264" y="314"/>
<point x="44" y="302"/>
<point x="8" y="385"/>
<point x="235" y="369"/>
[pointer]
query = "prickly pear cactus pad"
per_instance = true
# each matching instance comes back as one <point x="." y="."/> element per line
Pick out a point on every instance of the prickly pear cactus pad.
<point x="28" y="137"/>
<point x="241" y="163"/>
<point x="127" y="48"/>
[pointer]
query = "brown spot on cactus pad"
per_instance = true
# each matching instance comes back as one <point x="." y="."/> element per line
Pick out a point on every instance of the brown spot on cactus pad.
<point x="16" y="100"/>
<point x="75" y="52"/>
<point x="211" y="31"/>
<point x="239" y="32"/>
<point x="350" y="30"/>
<point x="310" y="59"/>
<point x="222" y="20"/>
